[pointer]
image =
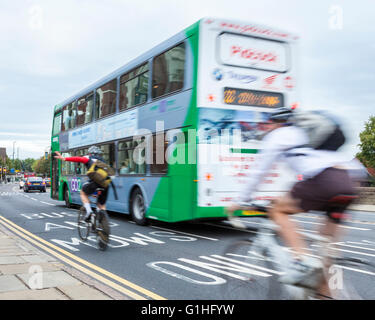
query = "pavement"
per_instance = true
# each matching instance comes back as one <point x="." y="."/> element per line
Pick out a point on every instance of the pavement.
<point x="27" y="273"/>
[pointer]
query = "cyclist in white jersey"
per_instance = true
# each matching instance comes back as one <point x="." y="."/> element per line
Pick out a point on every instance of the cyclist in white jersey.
<point x="324" y="177"/>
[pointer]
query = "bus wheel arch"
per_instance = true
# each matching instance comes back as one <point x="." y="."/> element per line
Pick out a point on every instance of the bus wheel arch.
<point x="137" y="207"/>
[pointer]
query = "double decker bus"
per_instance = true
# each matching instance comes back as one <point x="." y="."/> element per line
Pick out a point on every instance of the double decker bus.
<point x="182" y="123"/>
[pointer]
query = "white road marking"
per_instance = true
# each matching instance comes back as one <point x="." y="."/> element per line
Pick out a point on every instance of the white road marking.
<point x="189" y="234"/>
<point x="232" y="228"/>
<point x="50" y="204"/>
<point x="355" y="252"/>
<point x="356" y="270"/>
<point x="342" y="226"/>
<point x="262" y="224"/>
<point x="356" y="247"/>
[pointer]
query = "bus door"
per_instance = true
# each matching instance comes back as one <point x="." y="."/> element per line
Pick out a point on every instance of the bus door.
<point x="55" y="178"/>
<point x="181" y="184"/>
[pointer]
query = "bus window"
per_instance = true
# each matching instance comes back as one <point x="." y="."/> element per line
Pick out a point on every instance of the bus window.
<point x="106" y="99"/>
<point x="168" y="71"/>
<point x="56" y="124"/>
<point x="81" y="167"/>
<point x="69" y="117"/>
<point x="159" y="164"/>
<point x="67" y="167"/>
<point x="109" y="154"/>
<point x="127" y="157"/>
<point x="85" y="109"/>
<point x="133" y="87"/>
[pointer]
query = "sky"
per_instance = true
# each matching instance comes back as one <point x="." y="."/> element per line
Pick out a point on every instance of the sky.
<point x="50" y="50"/>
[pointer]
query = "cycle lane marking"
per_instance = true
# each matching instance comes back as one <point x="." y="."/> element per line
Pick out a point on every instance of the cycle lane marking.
<point x="187" y="233"/>
<point x="39" y="242"/>
<point x="341" y="226"/>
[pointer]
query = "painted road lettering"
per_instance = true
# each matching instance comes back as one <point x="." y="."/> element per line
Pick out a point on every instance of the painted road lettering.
<point x="231" y="267"/>
<point x="43" y="215"/>
<point x="116" y="241"/>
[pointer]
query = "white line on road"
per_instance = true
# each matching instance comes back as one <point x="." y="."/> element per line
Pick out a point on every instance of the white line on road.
<point x="355" y="228"/>
<point x="356" y="270"/>
<point x="260" y="223"/>
<point x="236" y="229"/>
<point x="50" y="204"/>
<point x="189" y="234"/>
<point x="355" y="252"/>
<point x="318" y="223"/>
<point x="356" y="247"/>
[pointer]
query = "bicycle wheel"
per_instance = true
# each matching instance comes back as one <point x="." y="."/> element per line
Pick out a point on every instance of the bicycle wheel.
<point x="83" y="226"/>
<point x="251" y="274"/>
<point x="103" y="230"/>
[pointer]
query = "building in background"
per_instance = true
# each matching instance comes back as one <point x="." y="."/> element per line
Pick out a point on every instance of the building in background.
<point x="3" y="154"/>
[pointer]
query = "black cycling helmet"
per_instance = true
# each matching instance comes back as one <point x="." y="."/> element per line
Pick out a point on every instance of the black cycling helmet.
<point x="281" y="114"/>
<point x="95" y="150"/>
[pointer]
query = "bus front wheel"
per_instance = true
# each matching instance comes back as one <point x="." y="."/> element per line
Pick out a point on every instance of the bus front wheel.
<point x="138" y="208"/>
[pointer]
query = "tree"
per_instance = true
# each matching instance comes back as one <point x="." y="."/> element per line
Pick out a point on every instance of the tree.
<point x="28" y="164"/>
<point x="367" y="146"/>
<point x="42" y="166"/>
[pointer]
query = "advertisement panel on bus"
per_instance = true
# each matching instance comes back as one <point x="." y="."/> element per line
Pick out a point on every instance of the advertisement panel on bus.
<point x="245" y="72"/>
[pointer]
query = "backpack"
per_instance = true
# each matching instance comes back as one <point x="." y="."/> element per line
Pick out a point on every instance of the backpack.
<point x="323" y="130"/>
<point x="100" y="173"/>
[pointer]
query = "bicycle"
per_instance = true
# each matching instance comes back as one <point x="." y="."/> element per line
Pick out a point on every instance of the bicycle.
<point x="264" y="247"/>
<point x="98" y="224"/>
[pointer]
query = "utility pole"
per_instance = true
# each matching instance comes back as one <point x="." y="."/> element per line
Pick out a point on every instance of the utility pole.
<point x="14" y="142"/>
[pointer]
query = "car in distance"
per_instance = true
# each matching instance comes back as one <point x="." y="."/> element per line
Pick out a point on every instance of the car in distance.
<point x="21" y="183"/>
<point x="35" y="183"/>
<point x="47" y="181"/>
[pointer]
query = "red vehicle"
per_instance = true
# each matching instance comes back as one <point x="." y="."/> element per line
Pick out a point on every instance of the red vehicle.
<point x="29" y="174"/>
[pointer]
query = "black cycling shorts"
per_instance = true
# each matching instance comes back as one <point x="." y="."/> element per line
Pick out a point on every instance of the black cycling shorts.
<point x="316" y="193"/>
<point x="90" y="187"/>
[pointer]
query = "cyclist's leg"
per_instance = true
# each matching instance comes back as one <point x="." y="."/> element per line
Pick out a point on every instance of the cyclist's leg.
<point x="88" y="188"/>
<point x="282" y="208"/>
<point x="102" y="199"/>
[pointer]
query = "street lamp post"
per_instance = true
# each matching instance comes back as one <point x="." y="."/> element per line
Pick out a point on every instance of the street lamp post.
<point x="14" y="142"/>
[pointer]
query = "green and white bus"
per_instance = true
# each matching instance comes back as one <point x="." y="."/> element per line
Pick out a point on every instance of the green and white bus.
<point x="181" y="124"/>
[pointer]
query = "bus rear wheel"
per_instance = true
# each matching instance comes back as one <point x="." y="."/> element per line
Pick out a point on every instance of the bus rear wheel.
<point x="137" y="208"/>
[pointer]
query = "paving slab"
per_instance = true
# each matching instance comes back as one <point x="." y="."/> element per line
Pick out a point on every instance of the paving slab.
<point x="50" y="279"/>
<point x="27" y="268"/>
<point x="7" y="242"/>
<point x="27" y="273"/>
<point x="11" y="260"/>
<point x="45" y="294"/>
<point x="36" y="258"/>
<point x="11" y="283"/>
<point x="83" y="292"/>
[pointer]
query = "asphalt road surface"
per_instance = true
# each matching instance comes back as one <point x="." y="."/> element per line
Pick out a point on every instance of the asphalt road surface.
<point x="181" y="261"/>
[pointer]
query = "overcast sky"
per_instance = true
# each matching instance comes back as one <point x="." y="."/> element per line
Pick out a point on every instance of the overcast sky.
<point x="52" y="49"/>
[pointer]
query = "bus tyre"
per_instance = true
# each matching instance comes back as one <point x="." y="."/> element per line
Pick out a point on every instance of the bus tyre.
<point x="137" y="208"/>
<point x="66" y="198"/>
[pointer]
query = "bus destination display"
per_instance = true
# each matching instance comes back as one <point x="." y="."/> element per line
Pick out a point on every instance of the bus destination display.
<point x="253" y="98"/>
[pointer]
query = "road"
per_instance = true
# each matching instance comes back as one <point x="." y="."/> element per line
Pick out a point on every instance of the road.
<point x="160" y="261"/>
